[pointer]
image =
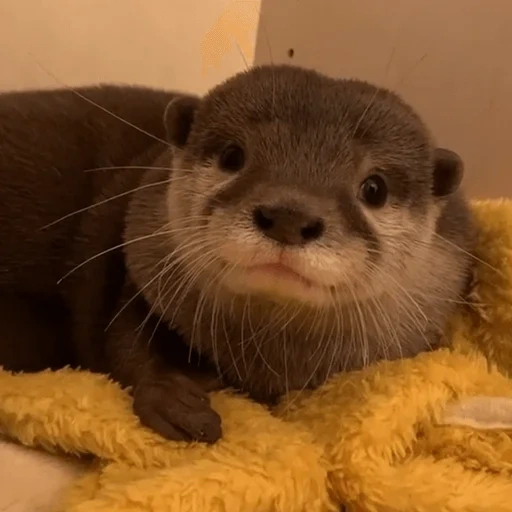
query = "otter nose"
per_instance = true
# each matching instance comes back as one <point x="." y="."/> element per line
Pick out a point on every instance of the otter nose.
<point x="286" y="225"/>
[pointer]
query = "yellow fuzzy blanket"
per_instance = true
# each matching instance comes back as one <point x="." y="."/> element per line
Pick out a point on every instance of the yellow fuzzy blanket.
<point x="432" y="434"/>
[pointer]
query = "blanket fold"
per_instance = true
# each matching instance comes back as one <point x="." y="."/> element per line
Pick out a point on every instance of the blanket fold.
<point x="429" y="434"/>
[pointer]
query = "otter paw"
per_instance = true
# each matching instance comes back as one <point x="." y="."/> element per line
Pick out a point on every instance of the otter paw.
<point x="178" y="409"/>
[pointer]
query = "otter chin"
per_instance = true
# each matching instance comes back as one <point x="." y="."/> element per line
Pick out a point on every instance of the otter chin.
<point x="279" y="283"/>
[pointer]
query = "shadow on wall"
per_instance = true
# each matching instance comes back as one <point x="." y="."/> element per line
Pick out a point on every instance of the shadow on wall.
<point x="235" y="27"/>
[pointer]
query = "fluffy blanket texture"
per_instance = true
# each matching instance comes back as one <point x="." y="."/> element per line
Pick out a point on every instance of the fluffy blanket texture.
<point x="431" y="434"/>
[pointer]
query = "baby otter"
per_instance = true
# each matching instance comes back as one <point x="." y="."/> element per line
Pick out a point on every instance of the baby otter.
<point x="285" y="227"/>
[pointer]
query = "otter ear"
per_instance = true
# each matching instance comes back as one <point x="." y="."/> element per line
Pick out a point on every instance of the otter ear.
<point x="448" y="172"/>
<point x="179" y="117"/>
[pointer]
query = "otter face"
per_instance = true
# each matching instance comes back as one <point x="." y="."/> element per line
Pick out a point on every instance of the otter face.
<point x="299" y="187"/>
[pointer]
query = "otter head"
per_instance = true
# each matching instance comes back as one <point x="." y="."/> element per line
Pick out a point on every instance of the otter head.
<point x="295" y="187"/>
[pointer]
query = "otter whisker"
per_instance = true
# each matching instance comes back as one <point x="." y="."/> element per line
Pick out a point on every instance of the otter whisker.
<point x="182" y="260"/>
<point x="361" y="328"/>
<point x="329" y="340"/>
<point x="313" y="373"/>
<point x="191" y="247"/>
<point x="260" y="334"/>
<point x="374" y="97"/>
<point x="233" y="359"/>
<point x="322" y="333"/>
<point x="215" y="308"/>
<point x="291" y="317"/>
<point x="194" y="271"/>
<point x="198" y="314"/>
<point x="468" y="254"/>
<point x="283" y="321"/>
<point x="411" y="70"/>
<point x="374" y="304"/>
<point x="159" y="276"/>
<point x="100" y="107"/>
<point x="339" y="344"/>
<point x="109" y="199"/>
<point x="111" y="249"/>
<point x="402" y="305"/>
<point x="387" y="333"/>
<point x="241" y="54"/>
<point x="242" y="328"/>
<point x="390" y="330"/>
<point x="266" y="340"/>
<point x="160" y="232"/>
<point x="271" y="57"/>
<point x="139" y="292"/>
<point x="202" y="257"/>
<point x="196" y="322"/>
<point x="312" y="326"/>
<point x="194" y="268"/>
<point x="186" y="282"/>
<point x="392" y="292"/>
<point x="409" y="296"/>
<point x="449" y="244"/>
<point x="154" y="305"/>
<point x="285" y="362"/>
<point x="138" y="167"/>
<point x="307" y="319"/>
<point x="227" y="336"/>
<point x="461" y="301"/>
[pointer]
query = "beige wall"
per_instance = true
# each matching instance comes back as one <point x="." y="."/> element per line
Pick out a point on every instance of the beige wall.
<point x="452" y="59"/>
<point x="449" y="58"/>
<point x="182" y="44"/>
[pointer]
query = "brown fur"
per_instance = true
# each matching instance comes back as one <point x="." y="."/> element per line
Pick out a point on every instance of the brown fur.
<point x="47" y="140"/>
<point x="311" y="141"/>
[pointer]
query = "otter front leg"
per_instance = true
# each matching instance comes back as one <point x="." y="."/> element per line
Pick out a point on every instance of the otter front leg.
<point x="168" y="398"/>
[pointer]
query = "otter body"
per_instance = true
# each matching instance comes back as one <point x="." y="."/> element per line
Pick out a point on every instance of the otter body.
<point x="48" y="139"/>
<point x="283" y="228"/>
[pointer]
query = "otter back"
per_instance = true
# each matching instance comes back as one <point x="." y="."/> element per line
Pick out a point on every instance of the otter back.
<point x="48" y="139"/>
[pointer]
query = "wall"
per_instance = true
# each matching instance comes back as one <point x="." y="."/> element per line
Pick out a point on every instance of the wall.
<point x="182" y="44"/>
<point x="450" y="59"/>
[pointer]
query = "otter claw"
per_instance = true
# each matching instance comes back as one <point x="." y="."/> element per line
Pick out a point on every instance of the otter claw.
<point x="176" y="408"/>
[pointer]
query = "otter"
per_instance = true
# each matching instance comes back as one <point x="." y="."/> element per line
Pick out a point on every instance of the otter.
<point x="282" y="228"/>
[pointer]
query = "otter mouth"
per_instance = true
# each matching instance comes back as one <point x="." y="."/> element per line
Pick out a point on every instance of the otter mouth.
<point x="278" y="281"/>
<point x="281" y="271"/>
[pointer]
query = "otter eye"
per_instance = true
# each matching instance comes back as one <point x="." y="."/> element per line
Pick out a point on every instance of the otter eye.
<point x="232" y="158"/>
<point x="374" y="191"/>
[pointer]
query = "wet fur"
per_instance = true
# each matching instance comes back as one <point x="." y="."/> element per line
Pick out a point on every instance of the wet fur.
<point x="116" y="311"/>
